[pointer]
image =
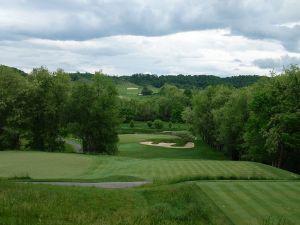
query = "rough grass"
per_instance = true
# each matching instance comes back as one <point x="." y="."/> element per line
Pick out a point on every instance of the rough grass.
<point x="26" y="204"/>
<point x="256" y="202"/>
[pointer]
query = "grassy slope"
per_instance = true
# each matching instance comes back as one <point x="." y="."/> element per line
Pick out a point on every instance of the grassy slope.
<point x="135" y="160"/>
<point x="29" y="204"/>
<point x="255" y="202"/>
<point x="218" y="202"/>
<point x="132" y="93"/>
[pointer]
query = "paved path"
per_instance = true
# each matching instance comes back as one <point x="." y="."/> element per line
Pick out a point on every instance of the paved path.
<point x="76" y="146"/>
<point x="97" y="185"/>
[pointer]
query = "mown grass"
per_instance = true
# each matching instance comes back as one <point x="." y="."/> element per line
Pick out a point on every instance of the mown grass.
<point x="40" y="165"/>
<point x="135" y="160"/>
<point x="124" y="92"/>
<point x="129" y="146"/>
<point x="210" y="200"/>
<point x="256" y="202"/>
<point x="27" y="204"/>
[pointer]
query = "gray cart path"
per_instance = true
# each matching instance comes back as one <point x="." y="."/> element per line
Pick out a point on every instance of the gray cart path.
<point x="97" y="185"/>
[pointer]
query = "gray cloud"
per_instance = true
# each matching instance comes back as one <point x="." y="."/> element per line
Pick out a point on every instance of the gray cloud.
<point x="277" y="63"/>
<point x="87" y="19"/>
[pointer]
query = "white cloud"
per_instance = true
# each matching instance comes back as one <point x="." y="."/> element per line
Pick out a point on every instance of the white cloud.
<point x="170" y="36"/>
<point x="198" y="52"/>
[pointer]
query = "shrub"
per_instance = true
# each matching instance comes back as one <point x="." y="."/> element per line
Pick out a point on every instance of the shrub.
<point x="158" y="124"/>
<point x="170" y="125"/>
<point x="149" y="123"/>
<point x="131" y="124"/>
<point x="146" y="91"/>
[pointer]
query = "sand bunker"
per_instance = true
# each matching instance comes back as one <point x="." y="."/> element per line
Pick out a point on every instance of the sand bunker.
<point x="168" y="145"/>
<point x="132" y="88"/>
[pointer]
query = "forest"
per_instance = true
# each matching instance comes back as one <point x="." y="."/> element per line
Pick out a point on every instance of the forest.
<point x="246" y="118"/>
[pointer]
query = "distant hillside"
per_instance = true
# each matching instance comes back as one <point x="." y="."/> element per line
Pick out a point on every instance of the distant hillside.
<point x="181" y="81"/>
<point x="187" y="81"/>
<point x="21" y="72"/>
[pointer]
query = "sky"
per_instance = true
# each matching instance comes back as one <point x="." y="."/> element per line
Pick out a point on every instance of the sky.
<point x="219" y="37"/>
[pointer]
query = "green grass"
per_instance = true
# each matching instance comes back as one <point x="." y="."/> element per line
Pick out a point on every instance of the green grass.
<point x="256" y="203"/>
<point x="39" y="165"/>
<point x="274" y="201"/>
<point x="136" y="160"/>
<point x="43" y="164"/>
<point x="29" y="204"/>
<point x="129" y="147"/>
<point x="124" y="92"/>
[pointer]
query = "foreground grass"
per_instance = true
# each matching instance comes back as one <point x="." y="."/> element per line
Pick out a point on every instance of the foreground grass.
<point x="255" y="203"/>
<point x="28" y="204"/>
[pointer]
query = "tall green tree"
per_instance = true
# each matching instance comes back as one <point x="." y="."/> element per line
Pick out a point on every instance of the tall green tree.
<point x="230" y="124"/>
<point x="13" y="99"/>
<point x="93" y="112"/>
<point x="274" y="119"/>
<point x="46" y="109"/>
<point x="205" y="103"/>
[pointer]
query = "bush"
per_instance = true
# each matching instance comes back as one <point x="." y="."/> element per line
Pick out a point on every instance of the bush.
<point x="170" y="125"/>
<point x="146" y="91"/>
<point x="131" y="124"/>
<point x="149" y="123"/>
<point x="158" y="124"/>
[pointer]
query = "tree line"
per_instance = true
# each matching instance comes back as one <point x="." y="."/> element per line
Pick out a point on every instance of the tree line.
<point x="42" y="108"/>
<point x="259" y="123"/>
<point x="188" y="81"/>
<point x="180" y="81"/>
<point x="167" y="105"/>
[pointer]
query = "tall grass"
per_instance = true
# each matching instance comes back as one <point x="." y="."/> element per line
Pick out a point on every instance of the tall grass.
<point x="28" y="204"/>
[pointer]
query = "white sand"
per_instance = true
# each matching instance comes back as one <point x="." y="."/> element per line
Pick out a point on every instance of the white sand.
<point x="168" y="145"/>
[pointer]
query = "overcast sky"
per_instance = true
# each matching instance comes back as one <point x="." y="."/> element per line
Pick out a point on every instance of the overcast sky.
<point x="221" y="37"/>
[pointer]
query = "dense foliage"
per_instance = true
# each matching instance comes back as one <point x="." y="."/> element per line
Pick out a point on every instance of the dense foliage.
<point x="259" y="123"/>
<point x="180" y="81"/>
<point x="188" y="81"/>
<point x="167" y="105"/>
<point x="43" y="107"/>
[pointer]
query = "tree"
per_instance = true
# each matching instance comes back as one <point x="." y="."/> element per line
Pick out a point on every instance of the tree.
<point x="146" y="91"/>
<point x="131" y="124"/>
<point x="230" y="123"/>
<point x="274" y="115"/>
<point x="45" y="112"/>
<point x="204" y="105"/>
<point x="13" y="99"/>
<point x="149" y="124"/>
<point x="94" y="114"/>
<point x="171" y="103"/>
<point x="158" y="124"/>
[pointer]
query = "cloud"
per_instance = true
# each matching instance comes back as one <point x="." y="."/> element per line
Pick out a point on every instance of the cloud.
<point x="172" y="36"/>
<point x="277" y="63"/>
<point x="90" y="19"/>
<point x="196" y="52"/>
